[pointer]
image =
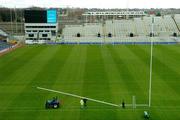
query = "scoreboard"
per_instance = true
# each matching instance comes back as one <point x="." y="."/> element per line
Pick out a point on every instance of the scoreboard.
<point x="40" y="16"/>
<point x="51" y="16"/>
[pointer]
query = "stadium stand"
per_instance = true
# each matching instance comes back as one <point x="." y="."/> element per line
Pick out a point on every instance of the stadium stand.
<point x="140" y="28"/>
<point x="177" y="20"/>
<point x="4" y="45"/>
<point x="118" y="31"/>
<point x="3" y="40"/>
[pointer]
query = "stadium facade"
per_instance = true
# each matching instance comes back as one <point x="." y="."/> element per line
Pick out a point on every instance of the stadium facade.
<point x="40" y="26"/>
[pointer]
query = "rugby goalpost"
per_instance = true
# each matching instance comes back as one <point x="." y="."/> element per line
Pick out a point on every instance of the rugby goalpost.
<point x="133" y="105"/>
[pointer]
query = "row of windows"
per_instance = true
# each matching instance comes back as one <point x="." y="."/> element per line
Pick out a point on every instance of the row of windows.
<point x="40" y="26"/>
<point x="45" y="39"/>
<point x="53" y="32"/>
<point x="40" y="31"/>
<point x="32" y="35"/>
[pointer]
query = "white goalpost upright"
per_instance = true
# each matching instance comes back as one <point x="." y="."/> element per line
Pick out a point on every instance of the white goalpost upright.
<point x="133" y="102"/>
<point x="150" y="72"/>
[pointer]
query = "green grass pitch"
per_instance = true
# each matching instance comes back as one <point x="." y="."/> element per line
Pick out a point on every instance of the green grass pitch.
<point x="108" y="73"/>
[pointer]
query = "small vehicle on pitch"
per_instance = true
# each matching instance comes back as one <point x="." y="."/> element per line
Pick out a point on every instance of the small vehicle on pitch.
<point x="54" y="103"/>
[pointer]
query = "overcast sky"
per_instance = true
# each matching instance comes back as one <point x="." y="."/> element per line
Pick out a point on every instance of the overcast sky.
<point x="93" y="3"/>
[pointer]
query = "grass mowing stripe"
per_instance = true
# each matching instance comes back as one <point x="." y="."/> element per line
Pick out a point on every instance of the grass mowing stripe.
<point x="143" y="56"/>
<point x="9" y="95"/>
<point x="140" y="71"/>
<point x="74" y="82"/>
<point x="161" y="87"/>
<point x="77" y="70"/>
<point x="164" y="71"/>
<point x="16" y="55"/>
<point x="123" y="62"/>
<point x="170" y="73"/>
<point x="169" y="58"/>
<point x="98" y="87"/>
<point x="118" y="91"/>
<point x="10" y="83"/>
<point x="50" y="75"/>
<point x="11" y="56"/>
<point x="10" y="68"/>
<point x="172" y="50"/>
<point x="156" y="115"/>
<point x="71" y="72"/>
<point x="26" y="89"/>
<point x="47" y="77"/>
<point x="72" y="67"/>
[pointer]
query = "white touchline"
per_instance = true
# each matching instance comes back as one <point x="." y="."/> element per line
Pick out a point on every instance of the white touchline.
<point x="90" y="99"/>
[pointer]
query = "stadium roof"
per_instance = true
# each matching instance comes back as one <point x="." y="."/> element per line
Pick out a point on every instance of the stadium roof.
<point x="2" y="33"/>
<point x="100" y="13"/>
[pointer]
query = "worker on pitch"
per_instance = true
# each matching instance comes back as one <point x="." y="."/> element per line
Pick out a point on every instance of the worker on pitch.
<point x="123" y="104"/>
<point x="83" y="102"/>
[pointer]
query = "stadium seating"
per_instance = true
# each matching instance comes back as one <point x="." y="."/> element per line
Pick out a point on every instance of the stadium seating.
<point x="170" y="25"/>
<point x="177" y="19"/>
<point x="140" y="27"/>
<point x="4" y="45"/>
<point x="133" y="30"/>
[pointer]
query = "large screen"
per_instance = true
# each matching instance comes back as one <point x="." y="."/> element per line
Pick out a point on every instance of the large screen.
<point x="51" y="16"/>
<point x="35" y="16"/>
<point x="40" y="16"/>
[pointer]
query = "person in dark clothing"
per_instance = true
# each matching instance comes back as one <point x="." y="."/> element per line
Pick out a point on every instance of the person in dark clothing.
<point x="123" y="104"/>
<point x="85" y="102"/>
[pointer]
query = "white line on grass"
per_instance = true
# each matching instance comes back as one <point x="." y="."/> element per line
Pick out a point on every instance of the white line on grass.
<point x="77" y="96"/>
<point x="90" y="99"/>
<point x="76" y="108"/>
<point x="151" y="60"/>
